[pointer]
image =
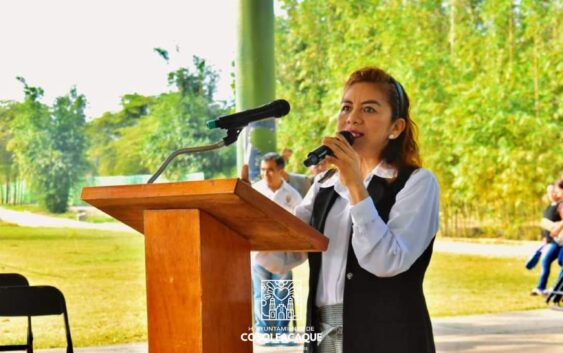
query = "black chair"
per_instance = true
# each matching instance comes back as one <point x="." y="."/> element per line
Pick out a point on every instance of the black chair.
<point x="10" y="280"/>
<point x="21" y="300"/>
<point x="13" y="279"/>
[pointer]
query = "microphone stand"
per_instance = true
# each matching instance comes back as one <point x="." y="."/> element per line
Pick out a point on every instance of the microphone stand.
<point x="232" y="135"/>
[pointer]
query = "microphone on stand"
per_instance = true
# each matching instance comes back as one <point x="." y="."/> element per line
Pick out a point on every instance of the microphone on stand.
<point x="277" y="109"/>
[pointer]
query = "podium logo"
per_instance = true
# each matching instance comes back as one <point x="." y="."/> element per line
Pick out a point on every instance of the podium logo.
<point x="277" y="300"/>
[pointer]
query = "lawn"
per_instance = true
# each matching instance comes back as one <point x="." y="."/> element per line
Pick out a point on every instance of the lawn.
<point x="102" y="277"/>
<point x="100" y="273"/>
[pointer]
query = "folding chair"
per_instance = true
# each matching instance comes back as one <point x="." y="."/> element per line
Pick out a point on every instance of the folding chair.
<point x="556" y="295"/>
<point x="13" y="279"/>
<point x="10" y="280"/>
<point x="33" y="301"/>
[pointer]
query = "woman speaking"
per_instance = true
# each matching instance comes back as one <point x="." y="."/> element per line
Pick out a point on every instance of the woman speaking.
<point x="379" y="209"/>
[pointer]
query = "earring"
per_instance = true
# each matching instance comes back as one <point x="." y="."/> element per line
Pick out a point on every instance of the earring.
<point x="391" y="136"/>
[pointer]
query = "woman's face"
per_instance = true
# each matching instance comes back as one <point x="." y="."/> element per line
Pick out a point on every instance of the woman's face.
<point x="366" y="113"/>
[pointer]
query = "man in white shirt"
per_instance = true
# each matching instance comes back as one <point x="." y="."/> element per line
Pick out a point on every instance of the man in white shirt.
<point x="273" y="186"/>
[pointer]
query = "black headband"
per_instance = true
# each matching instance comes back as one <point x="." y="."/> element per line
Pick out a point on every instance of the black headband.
<point x="400" y="98"/>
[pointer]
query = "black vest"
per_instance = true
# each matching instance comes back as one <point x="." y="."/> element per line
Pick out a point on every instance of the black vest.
<point x="381" y="315"/>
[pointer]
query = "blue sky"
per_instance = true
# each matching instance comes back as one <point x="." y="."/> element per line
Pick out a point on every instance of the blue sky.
<point x="105" y="47"/>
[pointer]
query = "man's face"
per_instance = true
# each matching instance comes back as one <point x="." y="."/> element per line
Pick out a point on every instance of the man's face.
<point x="271" y="174"/>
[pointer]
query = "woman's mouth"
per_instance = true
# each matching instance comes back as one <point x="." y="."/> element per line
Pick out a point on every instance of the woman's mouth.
<point x="356" y="134"/>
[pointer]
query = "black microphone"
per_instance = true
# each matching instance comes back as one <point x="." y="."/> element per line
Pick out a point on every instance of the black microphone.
<point x="277" y="108"/>
<point x="320" y="153"/>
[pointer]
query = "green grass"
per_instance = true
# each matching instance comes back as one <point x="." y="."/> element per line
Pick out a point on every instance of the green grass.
<point x="469" y="284"/>
<point x="100" y="273"/>
<point x="102" y="277"/>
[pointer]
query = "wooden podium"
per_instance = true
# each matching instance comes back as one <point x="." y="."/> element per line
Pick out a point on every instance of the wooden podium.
<point x="198" y="236"/>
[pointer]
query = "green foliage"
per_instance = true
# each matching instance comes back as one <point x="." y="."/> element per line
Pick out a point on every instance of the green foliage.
<point x="116" y="138"/>
<point x="8" y="169"/>
<point x="163" y="53"/>
<point x="202" y="82"/>
<point x="49" y="144"/>
<point x="178" y="119"/>
<point x="483" y="82"/>
<point x="138" y="138"/>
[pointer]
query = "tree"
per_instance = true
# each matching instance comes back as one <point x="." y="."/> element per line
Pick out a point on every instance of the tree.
<point x="137" y="139"/>
<point x="116" y="139"/>
<point x="483" y="80"/>
<point x="49" y="144"/>
<point x="178" y="119"/>
<point x="8" y="167"/>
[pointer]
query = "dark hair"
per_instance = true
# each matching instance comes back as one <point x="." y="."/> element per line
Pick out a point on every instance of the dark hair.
<point x="273" y="156"/>
<point x="559" y="183"/>
<point x="402" y="151"/>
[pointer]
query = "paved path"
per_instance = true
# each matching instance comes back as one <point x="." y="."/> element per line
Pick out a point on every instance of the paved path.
<point x="535" y="331"/>
<point x="29" y="219"/>
<point x="518" y="248"/>
<point x="480" y="247"/>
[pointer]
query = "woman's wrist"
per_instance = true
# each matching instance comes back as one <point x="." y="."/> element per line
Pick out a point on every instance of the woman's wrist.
<point x="358" y="192"/>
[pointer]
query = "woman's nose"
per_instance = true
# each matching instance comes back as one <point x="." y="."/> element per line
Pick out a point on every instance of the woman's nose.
<point x="354" y="117"/>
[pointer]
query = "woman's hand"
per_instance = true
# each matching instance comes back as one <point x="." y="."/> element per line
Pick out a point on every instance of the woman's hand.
<point x="347" y="161"/>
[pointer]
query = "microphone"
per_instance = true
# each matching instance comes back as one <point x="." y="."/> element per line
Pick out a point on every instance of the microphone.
<point x="320" y="153"/>
<point x="277" y="108"/>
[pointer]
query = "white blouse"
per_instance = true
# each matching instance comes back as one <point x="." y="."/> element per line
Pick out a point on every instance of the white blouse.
<point x="383" y="249"/>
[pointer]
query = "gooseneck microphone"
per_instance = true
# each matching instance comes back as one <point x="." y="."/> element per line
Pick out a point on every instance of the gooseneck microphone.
<point x="277" y="109"/>
<point x="316" y="156"/>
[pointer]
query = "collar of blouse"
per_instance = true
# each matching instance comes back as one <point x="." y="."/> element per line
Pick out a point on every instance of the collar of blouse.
<point x="382" y="170"/>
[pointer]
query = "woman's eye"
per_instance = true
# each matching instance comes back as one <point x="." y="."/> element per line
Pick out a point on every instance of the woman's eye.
<point x="369" y="110"/>
<point x="345" y="108"/>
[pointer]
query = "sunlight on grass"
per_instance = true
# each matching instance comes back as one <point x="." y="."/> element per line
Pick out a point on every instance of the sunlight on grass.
<point x="468" y="284"/>
<point x="100" y="273"/>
